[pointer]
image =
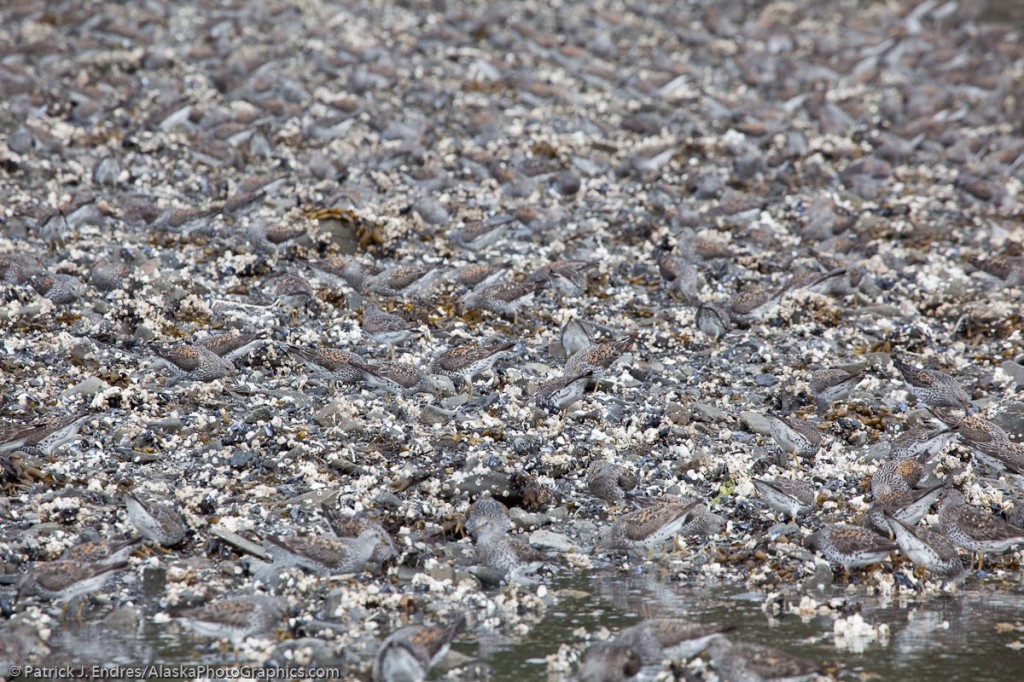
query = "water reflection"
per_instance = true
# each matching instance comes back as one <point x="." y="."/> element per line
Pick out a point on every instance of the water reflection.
<point x="962" y="636"/>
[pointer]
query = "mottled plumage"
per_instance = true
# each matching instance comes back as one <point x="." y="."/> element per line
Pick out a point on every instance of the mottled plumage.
<point x="650" y="527"/>
<point x="404" y="280"/>
<point x="919" y="443"/>
<point x="744" y="662"/>
<point x="597" y="358"/>
<point x="352" y="527"/>
<point x="894" y="477"/>
<point x="712" y="321"/>
<point x="974" y="529"/>
<point x="751" y="305"/>
<point x="385" y="327"/>
<point x="468" y="360"/>
<point x="337" y="272"/>
<point x="156" y="520"/>
<point x="660" y="638"/>
<point x="789" y="497"/>
<point x="832" y="384"/>
<point x="932" y="387"/>
<point x="928" y="550"/>
<point x="609" y="481"/>
<point x="568" y="277"/>
<point x="292" y="290"/>
<point x="489" y="524"/>
<point x="481" y="234"/>
<point x="101" y="552"/>
<point x="232" y="346"/>
<point x="850" y="546"/>
<point x="795" y="435"/>
<point x="61" y="289"/>
<point x="481" y="274"/>
<point x="274" y="238"/>
<point x="65" y="580"/>
<point x="324" y="555"/>
<point x="44" y="435"/>
<point x="194" y="361"/>
<point x="680" y="275"/>
<point x="504" y="297"/>
<point x="396" y="377"/>
<point x="908" y="507"/>
<point x="235" y="618"/>
<point x="330" y="363"/>
<point x="408" y="654"/>
<point x="561" y="393"/>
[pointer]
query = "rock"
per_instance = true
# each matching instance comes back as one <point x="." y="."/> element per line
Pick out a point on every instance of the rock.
<point x="333" y="413"/>
<point x="677" y="414"/>
<point x="756" y="422"/>
<point x="1014" y="370"/>
<point x="710" y="412"/>
<point x="495" y="482"/>
<point x="86" y="387"/>
<point x="431" y="414"/>
<point x="154" y="580"/>
<point x="1011" y="419"/>
<point x="551" y="540"/>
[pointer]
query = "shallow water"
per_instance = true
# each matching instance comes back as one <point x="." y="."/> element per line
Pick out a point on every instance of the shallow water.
<point x="965" y="635"/>
<point x="945" y="637"/>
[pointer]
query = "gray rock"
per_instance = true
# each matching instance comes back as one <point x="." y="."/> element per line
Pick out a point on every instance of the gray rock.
<point x="1011" y="419"/>
<point x="756" y="422"/>
<point x="1014" y="370"/>
<point x="710" y="412"/>
<point x="432" y="414"/>
<point x="87" y="387"/>
<point x="551" y="540"/>
<point x="492" y="481"/>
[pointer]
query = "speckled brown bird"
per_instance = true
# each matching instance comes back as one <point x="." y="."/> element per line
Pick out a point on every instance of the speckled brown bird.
<point x="404" y="280"/>
<point x="850" y="546"/>
<point x="832" y="384"/>
<point x="504" y="297"/>
<point x="562" y="392"/>
<point x="932" y="387"/>
<point x="396" y="377"/>
<point x="790" y="497"/>
<point x="656" y="639"/>
<point x="744" y="662"/>
<point x="974" y="529"/>
<point x="384" y="327"/>
<point x="609" y="481"/>
<point x="156" y="520"/>
<point x="916" y="443"/>
<point x="928" y="550"/>
<point x="44" y="435"/>
<point x="330" y="363"/>
<point x="235" y="618"/>
<point x="65" y="580"/>
<point x="650" y="527"/>
<point x="794" y="435"/>
<point x="324" y="555"/>
<point x="193" y="361"/>
<point x="408" y="654"/>
<point x="233" y="346"/>
<point x="468" y="360"/>
<point x="597" y="358"/>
